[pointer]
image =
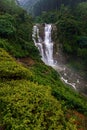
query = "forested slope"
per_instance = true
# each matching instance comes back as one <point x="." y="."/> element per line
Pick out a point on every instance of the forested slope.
<point x="14" y="22"/>
<point x="38" y="6"/>
<point x="47" y="5"/>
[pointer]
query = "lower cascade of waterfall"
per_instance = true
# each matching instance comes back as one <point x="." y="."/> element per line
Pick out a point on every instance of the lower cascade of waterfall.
<point x="45" y="46"/>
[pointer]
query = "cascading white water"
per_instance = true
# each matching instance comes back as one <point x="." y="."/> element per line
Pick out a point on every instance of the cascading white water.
<point x="38" y="41"/>
<point x="48" y="45"/>
<point x="45" y="46"/>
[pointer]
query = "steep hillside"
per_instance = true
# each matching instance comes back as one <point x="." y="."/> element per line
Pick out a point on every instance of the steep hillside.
<point x="34" y="97"/>
<point x="23" y="103"/>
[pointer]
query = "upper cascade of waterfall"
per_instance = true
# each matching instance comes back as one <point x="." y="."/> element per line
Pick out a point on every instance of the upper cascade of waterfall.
<point x="45" y="45"/>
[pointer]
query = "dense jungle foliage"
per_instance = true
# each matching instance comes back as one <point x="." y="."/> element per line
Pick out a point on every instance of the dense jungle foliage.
<point x="16" y="30"/>
<point x="32" y="97"/>
<point x="43" y="5"/>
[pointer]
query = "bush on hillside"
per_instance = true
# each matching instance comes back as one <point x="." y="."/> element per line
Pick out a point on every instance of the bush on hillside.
<point x="10" y="69"/>
<point x="27" y="106"/>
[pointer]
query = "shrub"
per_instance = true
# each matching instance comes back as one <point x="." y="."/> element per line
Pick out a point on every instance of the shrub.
<point x="28" y="106"/>
<point x="10" y="69"/>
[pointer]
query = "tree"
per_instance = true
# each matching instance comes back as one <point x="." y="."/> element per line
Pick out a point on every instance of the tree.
<point x="81" y="14"/>
<point x="7" y="28"/>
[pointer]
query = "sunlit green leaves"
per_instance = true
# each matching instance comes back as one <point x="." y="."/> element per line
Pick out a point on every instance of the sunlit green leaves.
<point x="10" y="69"/>
<point x="30" y="106"/>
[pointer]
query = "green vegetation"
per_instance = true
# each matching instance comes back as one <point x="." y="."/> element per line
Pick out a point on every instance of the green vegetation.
<point x="33" y="97"/>
<point x="36" y="7"/>
<point x="16" y="30"/>
<point x="72" y="32"/>
<point x="9" y="69"/>
<point x="29" y="106"/>
<point x="25" y="104"/>
<point x="22" y="49"/>
<point x="47" y="76"/>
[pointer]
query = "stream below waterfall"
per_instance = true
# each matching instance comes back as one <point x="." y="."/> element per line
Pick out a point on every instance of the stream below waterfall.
<point x="45" y="45"/>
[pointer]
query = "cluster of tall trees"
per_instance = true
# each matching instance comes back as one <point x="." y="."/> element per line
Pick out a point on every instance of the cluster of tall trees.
<point x="16" y="28"/>
<point x="12" y="17"/>
<point x="47" y="5"/>
<point x="72" y="30"/>
<point x="36" y="7"/>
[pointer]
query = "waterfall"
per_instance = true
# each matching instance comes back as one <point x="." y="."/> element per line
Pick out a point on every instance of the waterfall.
<point x="43" y="42"/>
<point x="48" y="45"/>
<point x="45" y="46"/>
